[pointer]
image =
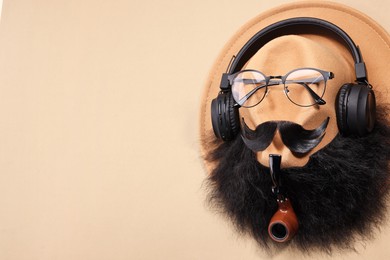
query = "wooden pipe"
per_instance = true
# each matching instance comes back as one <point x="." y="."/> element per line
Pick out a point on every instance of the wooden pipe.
<point x="284" y="223"/>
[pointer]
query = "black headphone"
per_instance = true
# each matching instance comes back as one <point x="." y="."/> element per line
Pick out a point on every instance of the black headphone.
<point x="355" y="102"/>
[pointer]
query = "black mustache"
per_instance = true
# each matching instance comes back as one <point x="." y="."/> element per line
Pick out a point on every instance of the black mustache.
<point x="298" y="139"/>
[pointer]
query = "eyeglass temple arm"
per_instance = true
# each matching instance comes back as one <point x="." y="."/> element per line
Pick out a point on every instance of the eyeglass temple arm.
<point x="250" y="93"/>
<point x="317" y="98"/>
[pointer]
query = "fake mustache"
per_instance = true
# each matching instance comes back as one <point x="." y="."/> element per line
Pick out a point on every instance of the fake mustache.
<point x="298" y="139"/>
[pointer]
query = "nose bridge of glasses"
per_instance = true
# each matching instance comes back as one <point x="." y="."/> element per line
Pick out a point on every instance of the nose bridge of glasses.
<point x="275" y="80"/>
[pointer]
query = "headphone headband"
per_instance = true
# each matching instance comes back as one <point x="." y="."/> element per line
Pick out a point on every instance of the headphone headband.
<point x="299" y="25"/>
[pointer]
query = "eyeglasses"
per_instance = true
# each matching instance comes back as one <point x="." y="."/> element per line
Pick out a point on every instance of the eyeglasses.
<point x="304" y="86"/>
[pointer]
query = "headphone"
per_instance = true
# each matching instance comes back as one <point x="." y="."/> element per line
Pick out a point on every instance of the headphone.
<point x="355" y="102"/>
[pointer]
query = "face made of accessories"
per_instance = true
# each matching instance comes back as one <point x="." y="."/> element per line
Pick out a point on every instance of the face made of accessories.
<point x="297" y="97"/>
<point x="303" y="87"/>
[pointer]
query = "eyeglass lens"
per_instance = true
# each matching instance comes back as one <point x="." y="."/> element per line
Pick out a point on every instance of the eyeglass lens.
<point x="304" y="86"/>
<point x="249" y="88"/>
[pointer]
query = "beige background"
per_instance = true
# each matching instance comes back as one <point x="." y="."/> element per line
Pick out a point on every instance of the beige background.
<point x="1" y="7"/>
<point x="99" y="106"/>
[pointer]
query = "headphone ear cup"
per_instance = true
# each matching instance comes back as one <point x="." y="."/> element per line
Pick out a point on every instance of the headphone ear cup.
<point x="356" y="109"/>
<point x="361" y="110"/>
<point x="341" y="109"/>
<point x="224" y="117"/>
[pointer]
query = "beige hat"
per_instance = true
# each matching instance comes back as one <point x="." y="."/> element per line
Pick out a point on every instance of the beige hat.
<point x="285" y="53"/>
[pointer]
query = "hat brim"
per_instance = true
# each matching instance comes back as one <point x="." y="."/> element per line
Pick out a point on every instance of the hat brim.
<point x="372" y="39"/>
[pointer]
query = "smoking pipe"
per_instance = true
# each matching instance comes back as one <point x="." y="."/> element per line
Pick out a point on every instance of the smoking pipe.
<point x="284" y="223"/>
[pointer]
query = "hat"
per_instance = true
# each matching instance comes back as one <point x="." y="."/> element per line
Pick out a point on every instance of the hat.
<point x="372" y="39"/>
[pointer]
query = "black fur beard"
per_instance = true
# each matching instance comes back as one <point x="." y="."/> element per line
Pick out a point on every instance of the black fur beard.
<point x="339" y="197"/>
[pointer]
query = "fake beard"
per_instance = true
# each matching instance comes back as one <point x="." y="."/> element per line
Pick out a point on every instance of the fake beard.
<point x="338" y="197"/>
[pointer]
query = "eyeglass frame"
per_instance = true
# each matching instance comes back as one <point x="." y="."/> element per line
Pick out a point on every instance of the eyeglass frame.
<point x="327" y="75"/>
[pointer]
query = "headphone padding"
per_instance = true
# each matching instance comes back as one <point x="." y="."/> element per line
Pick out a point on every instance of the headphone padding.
<point x="216" y="116"/>
<point x="233" y="117"/>
<point x="342" y="109"/>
